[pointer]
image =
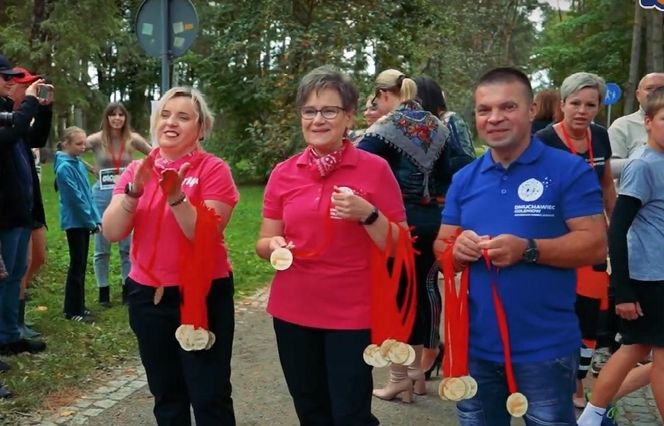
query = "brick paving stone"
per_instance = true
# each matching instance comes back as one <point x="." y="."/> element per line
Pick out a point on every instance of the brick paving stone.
<point x="91" y="412"/>
<point x="105" y="403"/>
<point x="83" y="403"/>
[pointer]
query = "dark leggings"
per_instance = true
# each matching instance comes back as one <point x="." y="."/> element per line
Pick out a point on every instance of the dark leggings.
<point x="78" y="240"/>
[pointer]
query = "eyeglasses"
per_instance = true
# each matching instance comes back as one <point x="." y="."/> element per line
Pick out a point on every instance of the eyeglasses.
<point x="6" y="77"/>
<point x="328" y="112"/>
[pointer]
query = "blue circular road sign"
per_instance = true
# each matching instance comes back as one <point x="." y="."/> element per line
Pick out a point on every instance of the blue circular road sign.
<point x="182" y="21"/>
<point x="613" y="93"/>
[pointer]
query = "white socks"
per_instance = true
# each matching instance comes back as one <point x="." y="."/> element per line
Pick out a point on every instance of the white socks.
<point x="591" y="416"/>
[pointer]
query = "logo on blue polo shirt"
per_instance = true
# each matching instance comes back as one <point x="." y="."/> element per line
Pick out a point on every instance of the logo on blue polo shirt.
<point x="531" y="190"/>
<point x="652" y="4"/>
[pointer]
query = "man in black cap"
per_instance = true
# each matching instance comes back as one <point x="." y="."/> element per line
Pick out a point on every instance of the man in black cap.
<point x="16" y="206"/>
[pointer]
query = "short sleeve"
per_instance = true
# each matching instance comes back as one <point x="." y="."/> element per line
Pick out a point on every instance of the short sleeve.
<point x="273" y="204"/>
<point x="581" y="192"/>
<point x="451" y="214"/>
<point x="217" y="184"/>
<point x="636" y="181"/>
<point x="126" y="177"/>
<point x="388" y="198"/>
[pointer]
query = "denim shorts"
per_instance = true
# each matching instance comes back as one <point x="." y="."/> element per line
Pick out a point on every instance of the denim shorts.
<point x="548" y="385"/>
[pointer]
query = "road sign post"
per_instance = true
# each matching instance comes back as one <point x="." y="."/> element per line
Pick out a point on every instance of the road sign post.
<point x="612" y="95"/>
<point x="166" y="29"/>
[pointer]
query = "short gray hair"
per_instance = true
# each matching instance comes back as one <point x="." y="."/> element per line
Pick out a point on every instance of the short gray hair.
<point x="582" y="80"/>
<point x="328" y="77"/>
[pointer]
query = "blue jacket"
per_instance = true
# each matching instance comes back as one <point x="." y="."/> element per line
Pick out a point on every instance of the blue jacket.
<point x="77" y="207"/>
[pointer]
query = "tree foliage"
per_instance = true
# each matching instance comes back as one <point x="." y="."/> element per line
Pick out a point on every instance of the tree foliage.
<point x="249" y="57"/>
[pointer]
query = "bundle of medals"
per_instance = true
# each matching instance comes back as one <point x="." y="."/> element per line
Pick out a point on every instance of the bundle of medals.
<point x="458" y="384"/>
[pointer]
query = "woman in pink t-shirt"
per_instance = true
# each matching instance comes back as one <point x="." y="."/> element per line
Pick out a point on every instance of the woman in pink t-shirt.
<point x="330" y="204"/>
<point x="168" y="199"/>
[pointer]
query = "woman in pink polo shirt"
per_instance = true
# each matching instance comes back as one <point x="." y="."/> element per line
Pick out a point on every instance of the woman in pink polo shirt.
<point x="167" y="199"/>
<point x="330" y="205"/>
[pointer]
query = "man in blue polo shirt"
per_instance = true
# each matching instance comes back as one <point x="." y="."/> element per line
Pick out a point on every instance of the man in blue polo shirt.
<point x="537" y="214"/>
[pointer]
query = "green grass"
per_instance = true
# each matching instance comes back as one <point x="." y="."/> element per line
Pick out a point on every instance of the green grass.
<point x="76" y="351"/>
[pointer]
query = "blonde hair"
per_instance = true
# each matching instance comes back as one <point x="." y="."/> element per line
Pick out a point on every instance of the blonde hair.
<point x="398" y="83"/>
<point x="203" y="114"/>
<point x="69" y="133"/>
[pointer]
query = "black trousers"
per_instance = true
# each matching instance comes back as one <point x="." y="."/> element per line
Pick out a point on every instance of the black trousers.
<point x="178" y="378"/>
<point x="78" y="240"/>
<point x="326" y="375"/>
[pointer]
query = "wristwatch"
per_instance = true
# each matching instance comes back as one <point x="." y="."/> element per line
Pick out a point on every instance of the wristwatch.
<point x="129" y="191"/>
<point x="373" y="216"/>
<point x="531" y="253"/>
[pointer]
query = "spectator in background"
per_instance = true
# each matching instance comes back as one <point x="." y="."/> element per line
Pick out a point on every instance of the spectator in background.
<point x="628" y="133"/>
<point x="37" y="244"/>
<point x="113" y="147"/>
<point x="78" y="218"/>
<point x="17" y="187"/>
<point x="582" y="95"/>
<point x="547" y="109"/>
<point x="458" y="152"/>
<point x="371" y="114"/>
<point x="414" y="142"/>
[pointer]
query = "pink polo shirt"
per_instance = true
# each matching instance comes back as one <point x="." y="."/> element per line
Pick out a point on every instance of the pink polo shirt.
<point x="208" y="178"/>
<point x="332" y="290"/>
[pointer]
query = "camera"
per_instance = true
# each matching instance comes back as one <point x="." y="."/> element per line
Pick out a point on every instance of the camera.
<point x="6" y="119"/>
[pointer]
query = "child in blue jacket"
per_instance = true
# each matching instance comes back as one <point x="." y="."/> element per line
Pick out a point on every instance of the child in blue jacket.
<point x="78" y="217"/>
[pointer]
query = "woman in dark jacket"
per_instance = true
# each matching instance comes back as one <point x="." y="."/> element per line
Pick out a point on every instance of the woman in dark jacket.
<point x="414" y="143"/>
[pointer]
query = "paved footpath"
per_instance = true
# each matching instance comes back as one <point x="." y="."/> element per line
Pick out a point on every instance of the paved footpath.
<point x="260" y="394"/>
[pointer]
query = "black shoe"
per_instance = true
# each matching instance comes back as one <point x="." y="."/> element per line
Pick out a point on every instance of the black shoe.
<point x="86" y="317"/>
<point x="436" y="363"/>
<point x="105" y="296"/>
<point x="23" y="345"/>
<point x="5" y="392"/>
<point x="4" y="367"/>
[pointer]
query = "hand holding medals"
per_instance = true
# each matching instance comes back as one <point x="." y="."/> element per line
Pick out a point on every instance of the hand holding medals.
<point x="389" y="352"/>
<point x="170" y="182"/>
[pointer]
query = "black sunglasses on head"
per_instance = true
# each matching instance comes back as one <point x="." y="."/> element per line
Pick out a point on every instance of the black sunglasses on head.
<point x="7" y="77"/>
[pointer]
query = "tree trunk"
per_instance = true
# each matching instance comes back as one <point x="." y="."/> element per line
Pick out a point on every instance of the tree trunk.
<point x="649" y="46"/>
<point x="656" y="41"/>
<point x="635" y="59"/>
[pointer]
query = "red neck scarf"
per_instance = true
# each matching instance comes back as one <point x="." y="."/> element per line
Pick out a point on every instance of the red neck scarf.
<point x="323" y="165"/>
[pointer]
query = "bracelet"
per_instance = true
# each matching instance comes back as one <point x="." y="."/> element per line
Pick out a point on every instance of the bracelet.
<point x="179" y="201"/>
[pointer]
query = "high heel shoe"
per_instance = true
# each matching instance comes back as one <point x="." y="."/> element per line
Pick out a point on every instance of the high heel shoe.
<point x="402" y="390"/>
<point x="436" y="363"/>
<point x="419" y="381"/>
<point x="398" y="386"/>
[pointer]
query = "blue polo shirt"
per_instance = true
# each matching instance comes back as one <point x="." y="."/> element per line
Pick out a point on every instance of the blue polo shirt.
<point x="532" y="198"/>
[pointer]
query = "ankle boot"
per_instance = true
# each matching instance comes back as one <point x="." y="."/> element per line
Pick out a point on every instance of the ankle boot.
<point x="26" y="332"/>
<point x="105" y="296"/>
<point x="398" y="386"/>
<point x="416" y="374"/>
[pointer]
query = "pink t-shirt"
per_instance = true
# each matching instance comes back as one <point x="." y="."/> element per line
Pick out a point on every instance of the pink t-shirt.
<point x="208" y="178"/>
<point x="333" y="289"/>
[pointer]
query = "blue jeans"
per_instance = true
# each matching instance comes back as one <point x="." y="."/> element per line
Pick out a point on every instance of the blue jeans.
<point x="102" y="253"/>
<point x="14" y="243"/>
<point x="548" y="385"/>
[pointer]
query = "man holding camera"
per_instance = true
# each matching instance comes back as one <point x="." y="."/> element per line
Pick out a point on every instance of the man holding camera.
<point x="18" y="189"/>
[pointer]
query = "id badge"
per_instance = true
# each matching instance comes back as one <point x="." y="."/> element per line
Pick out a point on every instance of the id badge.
<point x="109" y="177"/>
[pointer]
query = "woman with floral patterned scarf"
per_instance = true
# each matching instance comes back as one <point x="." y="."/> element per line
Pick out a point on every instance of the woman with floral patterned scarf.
<point x="413" y="142"/>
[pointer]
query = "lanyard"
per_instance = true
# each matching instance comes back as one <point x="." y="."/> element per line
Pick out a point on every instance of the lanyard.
<point x="570" y="144"/>
<point x="117" y="161"/>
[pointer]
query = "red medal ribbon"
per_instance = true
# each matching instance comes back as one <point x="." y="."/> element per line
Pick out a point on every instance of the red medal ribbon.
<point x="570" y="144"/>
<point x="456" y="319"/>
<point x="117" y="161"/>
<point x="502" y="323"/>
<point x="388" y="318"/>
